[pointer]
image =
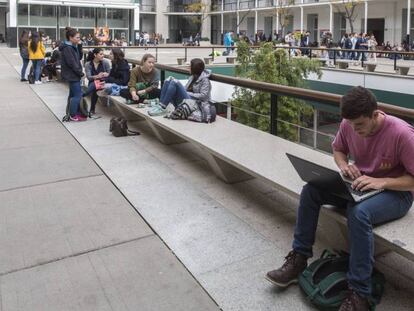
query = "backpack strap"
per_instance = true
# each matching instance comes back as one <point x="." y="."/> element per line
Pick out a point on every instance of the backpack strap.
<point x="327" y="283"/>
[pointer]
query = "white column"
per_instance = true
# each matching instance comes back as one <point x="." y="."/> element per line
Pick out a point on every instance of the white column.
<point x="255" y="22"/>
<point x="408" y="16"/>
<point x="277" y="17"/>
<point x="136" y="18"/>
<point x="366" y="17"/>
<point x="238" y="20"/>
<point x="330" y="18"/>
<point x="222" y="22"/>
<point x="12" y="14"/>
<point x="301" y="19"/>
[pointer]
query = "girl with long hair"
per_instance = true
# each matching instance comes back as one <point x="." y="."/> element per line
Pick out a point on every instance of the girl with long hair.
<point x="37" y="54"/>
<point x="97" y="69"/>
<point x="143" y="82"/>
<point x="198" y="87"/>
<point x="24" y="53"/>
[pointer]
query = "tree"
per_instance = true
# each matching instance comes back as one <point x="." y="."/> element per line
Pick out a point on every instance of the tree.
<point x="273" y="66"/>
<point x="201" y="8"/>
<point x="283" y="11"/>
<point x="349" y="12"/>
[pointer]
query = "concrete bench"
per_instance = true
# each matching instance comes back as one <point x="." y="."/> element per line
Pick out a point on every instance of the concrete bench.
<point x="231" y="59"/>
<point x="181" y="61"/>
<point x="208" y="60"/>
<point x="403" y="70"/>
<point x="370" y="67"/>
<point x="342" y="64"/>
<point x="234" y="158"/>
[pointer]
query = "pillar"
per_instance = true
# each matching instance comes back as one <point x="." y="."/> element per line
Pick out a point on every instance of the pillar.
<point x="366" y="17"/>
<point x="12" y="36"/>
<point x="330" y="18"/>
<point x="408" y="20"/>
<point x="301" y="19"/>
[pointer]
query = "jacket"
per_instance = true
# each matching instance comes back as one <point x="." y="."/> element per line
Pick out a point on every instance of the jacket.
<point x="70" y="63"/>
<point x="119" y="73"/>
<point x="151" y="79"/>
<point x="228" y="40"/>
<point x="24" y="50"/>
<point x="201" y="88"/>
<point x="40" y="51"/>
<point x="90" y="70"/>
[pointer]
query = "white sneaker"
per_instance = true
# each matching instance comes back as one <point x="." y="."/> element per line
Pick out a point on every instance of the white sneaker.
<point x="38" y="82"/>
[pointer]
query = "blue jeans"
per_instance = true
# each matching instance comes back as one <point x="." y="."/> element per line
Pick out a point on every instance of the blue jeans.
<point x="36" y="67"/>
<point x="94" y="97"/>
<point x="383" y="207"/>
<point x="75" y="95"/>
<point x="172" y="92"/>
<point x="24" y="68"/>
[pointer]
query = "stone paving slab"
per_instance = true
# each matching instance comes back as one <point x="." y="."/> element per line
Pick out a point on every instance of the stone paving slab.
<point x="140" y="275"/>
<point x="28" y="135"/>
<point x="12" y="114"/>
<point x="35" y="165"/>
<point x="48" y="222"/>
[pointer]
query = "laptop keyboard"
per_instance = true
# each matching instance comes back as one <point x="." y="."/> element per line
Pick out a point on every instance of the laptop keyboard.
<point x="356" y="192"/>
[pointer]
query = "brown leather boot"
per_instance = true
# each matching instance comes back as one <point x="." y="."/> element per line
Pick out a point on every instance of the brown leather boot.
<point x="288" y="274"/>
<point x="354" y="302"/>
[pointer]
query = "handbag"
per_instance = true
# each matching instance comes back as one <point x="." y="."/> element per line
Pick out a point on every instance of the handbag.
<point x="119" y="128"/>
<point x="99" y="85"/>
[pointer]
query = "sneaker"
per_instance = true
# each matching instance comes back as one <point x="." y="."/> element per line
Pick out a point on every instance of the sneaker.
<point x="288" y="274"/>
<point x="77" y="118"/>
<point x="354" y="302"/>
<point x="157" y="111"/>
<point x="38" y="82"/>
<point x="141" y="105"/>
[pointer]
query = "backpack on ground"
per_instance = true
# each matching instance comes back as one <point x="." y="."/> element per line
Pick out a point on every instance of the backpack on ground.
<point x="31" y="76"/>
<point x="118" y="127"/>
<point x="225" y="53"/>
<point x="83" y="109"/>
<point x="325" y="282"/>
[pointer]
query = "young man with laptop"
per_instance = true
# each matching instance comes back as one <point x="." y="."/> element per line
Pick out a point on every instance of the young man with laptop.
<point x="382" y="149"/>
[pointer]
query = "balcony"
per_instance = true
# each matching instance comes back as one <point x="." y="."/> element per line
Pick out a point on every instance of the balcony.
<point x="231" y="6"/>
<point x="243" y="5"/>
<point x="148" y="6"/>
<point x="265" y="3"/>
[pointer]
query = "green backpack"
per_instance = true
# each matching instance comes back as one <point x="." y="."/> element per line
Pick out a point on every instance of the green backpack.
<point x="325" y="283"/>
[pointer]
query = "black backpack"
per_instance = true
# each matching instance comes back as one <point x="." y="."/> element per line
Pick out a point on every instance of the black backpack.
<point x="118" y="127"/>
<point x="31" y="76"/>
<point x="84" y="109"/>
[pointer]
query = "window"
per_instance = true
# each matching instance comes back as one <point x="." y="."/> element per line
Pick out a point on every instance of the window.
<point x="23" y="14"/>
<point x="82" y="17"/>
<point x="117" y="18"/>
<point x="42" y="15"/>
<point x="63" y="16"/>
<point x="101" y="13"/>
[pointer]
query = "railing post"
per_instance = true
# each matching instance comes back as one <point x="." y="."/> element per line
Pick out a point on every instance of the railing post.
<point x="334" y="57"/>
<point x="289" y="52"/>
<point x="395" y="61"/>
<point x="156" y="53"/>
<point x="212" y="53"/>
<point x="162" y="77"/>
<point x="273" y="113"/>
<point x="185" y="55"/>
<point x="228" y="110"/>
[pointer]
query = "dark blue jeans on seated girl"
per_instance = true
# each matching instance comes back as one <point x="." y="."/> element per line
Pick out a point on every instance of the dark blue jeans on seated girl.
<point x="383" y="207"/>
<point x="75" y="96"/>
<point x="92" y="91"/>
<point x="172" y="92"/>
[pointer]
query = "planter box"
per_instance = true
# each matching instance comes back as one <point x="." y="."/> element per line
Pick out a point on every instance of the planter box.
<point x="403" y="70"/>
<point x="181" y="61"/>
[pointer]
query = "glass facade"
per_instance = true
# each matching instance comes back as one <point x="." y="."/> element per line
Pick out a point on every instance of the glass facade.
<point x="82" y="17"/>
<point x="52" y="20"/>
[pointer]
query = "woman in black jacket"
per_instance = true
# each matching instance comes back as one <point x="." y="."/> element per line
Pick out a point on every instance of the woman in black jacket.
<point x="72" y="72"/>
<point x="119" y="76"/>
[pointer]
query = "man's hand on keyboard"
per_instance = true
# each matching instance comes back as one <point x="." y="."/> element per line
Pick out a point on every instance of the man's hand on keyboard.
<point x="364" y="183"/>
<point x="350" y="171"/>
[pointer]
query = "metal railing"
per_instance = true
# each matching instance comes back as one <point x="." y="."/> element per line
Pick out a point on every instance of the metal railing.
<point x="276" y="92"/>
<point x="334" y="54"/>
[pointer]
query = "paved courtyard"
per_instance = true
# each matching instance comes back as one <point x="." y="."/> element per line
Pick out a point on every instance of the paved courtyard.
<point x="94" y="222"/>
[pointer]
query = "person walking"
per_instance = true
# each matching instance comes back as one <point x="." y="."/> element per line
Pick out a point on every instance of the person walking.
<point x="24" y="54"/>
<point x="72" y="72"/>
<point x="37" y="54"/>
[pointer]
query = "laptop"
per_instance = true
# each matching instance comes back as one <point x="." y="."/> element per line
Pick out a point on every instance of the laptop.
<point x="329" y="180"/>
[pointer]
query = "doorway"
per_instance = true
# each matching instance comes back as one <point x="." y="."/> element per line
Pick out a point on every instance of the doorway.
<point x="268" y="25"/>
<point x="376" y="27"/>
